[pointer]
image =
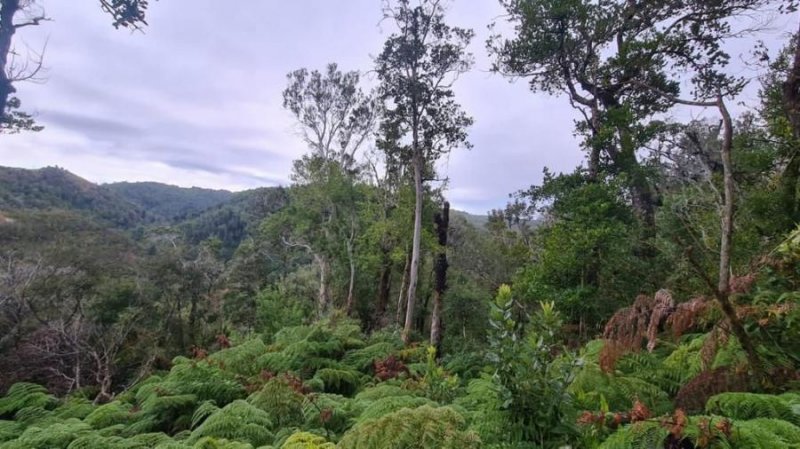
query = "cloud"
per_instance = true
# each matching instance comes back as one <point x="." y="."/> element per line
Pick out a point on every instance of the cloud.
<point x="196" y="98"/>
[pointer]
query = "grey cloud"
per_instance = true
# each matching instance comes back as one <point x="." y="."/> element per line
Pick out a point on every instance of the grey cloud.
<point x="92" y="127"/>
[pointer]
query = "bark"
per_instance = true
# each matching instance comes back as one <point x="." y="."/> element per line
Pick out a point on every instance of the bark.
<point x="7" y="30"/>
<point x="442" y="221"/>
<point x="413" y="272"/>
<point x="352" y="260"/>
<point x="401" y="304"/>
<point x="384" y="287"/>
<point x="323" y="296"/>
<point x="726" y="239"/>
<point x="791" y="104"/>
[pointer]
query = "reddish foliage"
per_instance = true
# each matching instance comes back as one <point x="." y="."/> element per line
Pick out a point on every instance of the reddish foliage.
<point x="678" y="424"/>
<point x="325" y="415"/>
<point x="223" y="341"/>
<point x="689" y="315"/>
<point x="389" y="368"/>
<point x="725" y="427"/>
<point x="640" y="412"/>
<point x="199" y="353"/>
<point x="694" y="395"/>
<point x="742" y="284"/>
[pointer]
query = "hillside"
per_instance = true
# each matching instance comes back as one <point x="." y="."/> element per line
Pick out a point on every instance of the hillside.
<point x="168" y="202"/>
<point x="52" y="188"/>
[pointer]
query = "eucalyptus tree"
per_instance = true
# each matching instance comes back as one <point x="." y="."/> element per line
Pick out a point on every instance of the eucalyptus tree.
<point x="336" y="119"/>
<point x="417" y="68"/>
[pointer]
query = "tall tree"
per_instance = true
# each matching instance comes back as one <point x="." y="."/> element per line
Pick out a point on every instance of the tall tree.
<point x="602" y="55"/>
<point x="417" y="69"/>
<point x="336" y="119"/>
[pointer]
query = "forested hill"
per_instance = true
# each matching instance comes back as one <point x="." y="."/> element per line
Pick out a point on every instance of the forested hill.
<point x="53" y="188"/>
<point x="169" y="202"/>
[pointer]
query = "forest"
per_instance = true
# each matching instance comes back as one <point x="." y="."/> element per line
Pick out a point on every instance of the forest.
<point x="649" y="298"/>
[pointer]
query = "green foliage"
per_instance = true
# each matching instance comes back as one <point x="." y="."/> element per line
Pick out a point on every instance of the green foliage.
<point x="23" y="395"/>
<point x="236" y="421"/>
<point x="305" y="440"/>
<point x="533" y="372"/>
<point x="283" y="403"/>
<point x="423" y="427"/>
<point x="744" y="406"/>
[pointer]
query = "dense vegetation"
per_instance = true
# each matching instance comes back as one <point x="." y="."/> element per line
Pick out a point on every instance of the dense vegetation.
<point x="647" y="299"/>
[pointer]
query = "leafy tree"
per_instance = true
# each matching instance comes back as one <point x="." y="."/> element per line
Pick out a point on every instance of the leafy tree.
<point x="417" y="68"/>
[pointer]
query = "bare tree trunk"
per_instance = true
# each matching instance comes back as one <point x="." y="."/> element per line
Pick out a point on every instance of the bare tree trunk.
<point x="323" y="297"/>
<point x="401" y="304"/>
<point x="726" y="239"/>
<point x="351" y="286"/>
<point x="415" y="246"/>
<point x="384" y="286"/>
<point x="7" y="29"/>
<point x="442" y="221"/>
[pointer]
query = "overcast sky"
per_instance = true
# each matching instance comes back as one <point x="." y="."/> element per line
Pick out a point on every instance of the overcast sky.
<point x="196" y="99"/>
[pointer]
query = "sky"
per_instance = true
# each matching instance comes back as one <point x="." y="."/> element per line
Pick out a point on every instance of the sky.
<point x="195" y="100"/>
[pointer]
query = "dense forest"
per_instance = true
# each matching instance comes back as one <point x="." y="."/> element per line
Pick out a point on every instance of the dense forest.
<point x="646" y="299"/>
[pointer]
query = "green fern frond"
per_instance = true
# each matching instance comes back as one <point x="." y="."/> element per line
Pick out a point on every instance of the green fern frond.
<point x="109" y="414"/>
<point x="22" y="395"/>
<point x="306" y="440"/>
<point x="744" y="406"/>
<point x="202" y="412"/>
<point x="236" y="421"/>
<point x="424" y="427"/>
<point x="283" y="404"/>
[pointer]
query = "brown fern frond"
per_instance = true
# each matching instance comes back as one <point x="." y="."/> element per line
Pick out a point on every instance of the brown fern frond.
<point x="689" y="315"/>
<point x="628" y="326"/>
<point x="693" y="396"/>
<point x="663" y="306"/>
<point x="742" y="284"/>
<point x="716" y="339"/>
<point x="611" y="353"/>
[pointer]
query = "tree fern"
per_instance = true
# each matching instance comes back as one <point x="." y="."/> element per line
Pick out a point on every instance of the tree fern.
<point x="55" y="436"/>
<point x="332" y="412"/>
<point x="750" y="406"/>
<point x="236" y="421"/>
<point x="74" y="407"/>
<point x="385" y="406"/>
<point x="362" y="359"/>
<point x="240" y="359"/>
<point x="424" y="427"/>
<point x="282" y="402"/>
<point x="9" y="430"/>
<point x="765" y="433"/>
<point x="343" y="381"/>
<point x="22" y="395"/>
<point x="109" y="414"/>
<point x="640" y="435"/>
<point x="305" y="440"/>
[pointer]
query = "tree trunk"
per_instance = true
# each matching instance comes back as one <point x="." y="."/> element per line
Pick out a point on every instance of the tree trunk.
<point x="401" y="303"/>
<point x="415" y="246"/>
<point x="351" y="286"/>
<point x="323" y="296"/>
<point x="442" y="221"/>
<point x="7" y="30"/>
<point x="791" y="104"/>
<point x="726" y="239"/>
<point x="384" y="287"/>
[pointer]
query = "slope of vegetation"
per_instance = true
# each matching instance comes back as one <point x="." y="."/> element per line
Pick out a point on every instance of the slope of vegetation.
<point x="646" y="299"/>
